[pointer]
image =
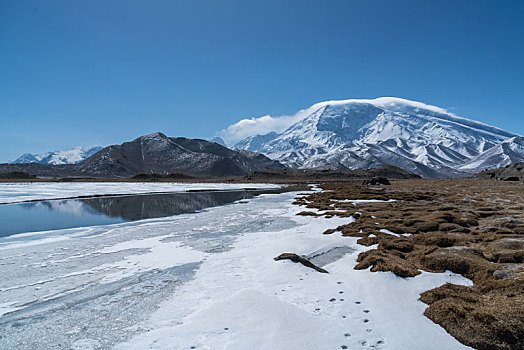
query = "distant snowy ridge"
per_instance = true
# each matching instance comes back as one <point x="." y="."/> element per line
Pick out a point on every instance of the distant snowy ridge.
<point x="219" y="140"/>
<point x="420" y="138"/>
<point x="70" y="156"/>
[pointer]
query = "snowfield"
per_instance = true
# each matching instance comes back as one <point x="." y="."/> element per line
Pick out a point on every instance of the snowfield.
<point x="209" y="281"/>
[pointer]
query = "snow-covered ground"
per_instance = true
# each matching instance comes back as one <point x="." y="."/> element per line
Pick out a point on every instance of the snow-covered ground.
<point x="20" y="192"/>
<point x="208" y="281"/>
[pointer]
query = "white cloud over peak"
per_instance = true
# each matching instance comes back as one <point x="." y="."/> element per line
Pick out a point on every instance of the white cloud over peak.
<point x="263" y="125"/>
<point x="255" y="126"/>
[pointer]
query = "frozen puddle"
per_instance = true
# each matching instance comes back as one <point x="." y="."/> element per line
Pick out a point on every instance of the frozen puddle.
<point x="329" y="255"/>
<point x="208" y="280"/>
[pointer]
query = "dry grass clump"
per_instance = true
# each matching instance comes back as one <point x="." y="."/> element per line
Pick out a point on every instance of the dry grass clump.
<point x="474" y="228"/>
<point x="490" y="319"/>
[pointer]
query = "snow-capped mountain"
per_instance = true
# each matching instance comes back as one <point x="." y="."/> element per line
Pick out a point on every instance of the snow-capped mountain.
<point x="420" y="138"/>
<point x="70" y="156"/>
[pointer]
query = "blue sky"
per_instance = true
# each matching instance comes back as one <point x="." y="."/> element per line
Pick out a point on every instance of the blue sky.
<point x="103" y="72"/>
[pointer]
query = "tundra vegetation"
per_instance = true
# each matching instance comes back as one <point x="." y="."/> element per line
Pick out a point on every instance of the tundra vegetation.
<point x="471" y="227"/>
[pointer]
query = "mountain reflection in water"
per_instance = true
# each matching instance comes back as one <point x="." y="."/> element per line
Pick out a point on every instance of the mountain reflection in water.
<point x="132" y="208"/>
<point x="81" y="212"/>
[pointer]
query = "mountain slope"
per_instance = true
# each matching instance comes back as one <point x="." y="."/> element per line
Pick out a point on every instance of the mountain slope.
<point x="70" y="156"/>
<point x="158" y="154"/>
<point x="423" y="139"/>
<point x="508" y="152"/>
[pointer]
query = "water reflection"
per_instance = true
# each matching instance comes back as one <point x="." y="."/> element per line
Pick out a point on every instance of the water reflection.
<point x="70" y="213"/>
<point x="132" y="208"/>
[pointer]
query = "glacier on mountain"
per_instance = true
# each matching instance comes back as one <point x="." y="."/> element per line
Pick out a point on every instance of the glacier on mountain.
<point x="417" y="137"/>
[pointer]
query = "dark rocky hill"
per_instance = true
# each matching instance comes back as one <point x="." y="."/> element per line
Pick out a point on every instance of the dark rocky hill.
<point x="158" y="154"/>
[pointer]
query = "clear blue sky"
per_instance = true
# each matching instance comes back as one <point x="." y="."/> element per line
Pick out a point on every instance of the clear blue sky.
<point x="103" y="72"/>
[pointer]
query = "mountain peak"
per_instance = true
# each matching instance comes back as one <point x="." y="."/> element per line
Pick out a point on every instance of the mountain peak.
<point x="393" y="104"/>
<point x="155" y="135"/>
<point x="157" y="153"/>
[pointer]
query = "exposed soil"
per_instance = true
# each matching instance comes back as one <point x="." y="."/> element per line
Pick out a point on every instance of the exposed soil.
<point x="471" y="227"/>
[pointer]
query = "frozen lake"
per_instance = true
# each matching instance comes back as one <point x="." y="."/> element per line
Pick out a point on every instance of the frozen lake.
<point x="16" y="192"/>
<point x="206" y="280"/>
<point x="81" y="212"/>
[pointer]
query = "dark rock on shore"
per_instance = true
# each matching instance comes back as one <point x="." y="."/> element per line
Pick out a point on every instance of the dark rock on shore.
<point x="299" y="259"/>
<point x="376" y="181"/>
